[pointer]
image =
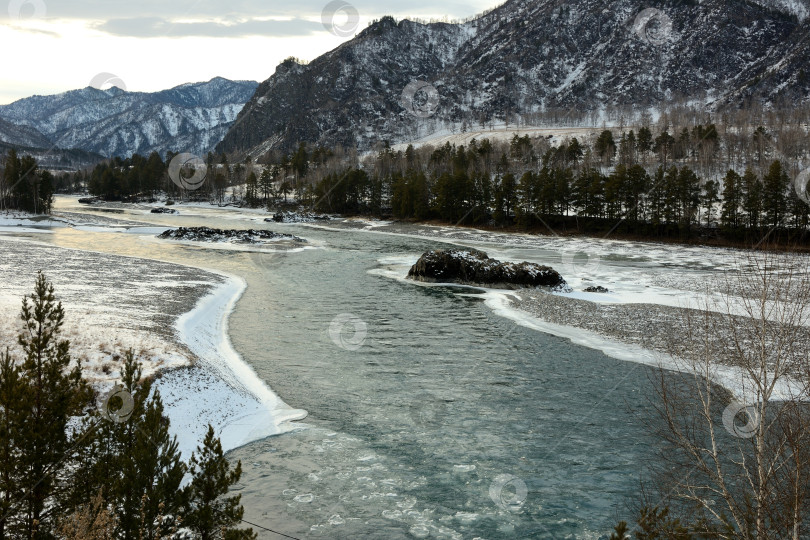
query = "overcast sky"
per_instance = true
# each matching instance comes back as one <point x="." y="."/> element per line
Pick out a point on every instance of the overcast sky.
<point x="51" y="46"/>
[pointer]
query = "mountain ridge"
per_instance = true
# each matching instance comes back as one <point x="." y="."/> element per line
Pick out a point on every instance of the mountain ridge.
<point x="191" y="117"/>
<point x="525" y="57"/>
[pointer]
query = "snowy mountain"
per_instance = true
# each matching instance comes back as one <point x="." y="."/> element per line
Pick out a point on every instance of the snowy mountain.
<point x="22" y="135"/>
<point x="398" y="81"/>
<point x="188" y="118"/>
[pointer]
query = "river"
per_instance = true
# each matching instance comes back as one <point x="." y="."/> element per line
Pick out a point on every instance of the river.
<point x="428" y="415"/>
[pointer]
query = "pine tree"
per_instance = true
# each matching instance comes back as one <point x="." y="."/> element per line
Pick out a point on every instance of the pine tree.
<point x="51" y="393"/>
<point x="664" y="144"/>
<point x="644" y="143"/>
<point x="688" y="194"/>
<point x="638" y="182"/>
<point x="146" y="460"/>
<point x="210" y="514"/>
<point x="732" y="199"/>
<point x="252" y="189"/>
<point x="752" y="197"/>
<point x="11" y="422"/>
<point x="621" y="531"/>
<point x="605" y="146"/>
<point x="709" y="196"/>
<point x="774" y="194"/>
<point x="799" y="210"/>
<point x="656" y="198"/>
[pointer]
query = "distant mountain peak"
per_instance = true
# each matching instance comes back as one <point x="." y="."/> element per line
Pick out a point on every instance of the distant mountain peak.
<point x="190" y="117"/>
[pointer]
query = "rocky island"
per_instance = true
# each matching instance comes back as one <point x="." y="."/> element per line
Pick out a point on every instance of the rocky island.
<point x="239" y="236"/>
<point x="473" y="267"/>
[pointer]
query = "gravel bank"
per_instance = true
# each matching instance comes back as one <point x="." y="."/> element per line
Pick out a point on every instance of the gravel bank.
<point x="667" y="330"/>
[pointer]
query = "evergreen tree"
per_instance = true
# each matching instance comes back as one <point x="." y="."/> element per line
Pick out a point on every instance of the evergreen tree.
<point x="266" y="184"/>
<point x="148" y="460"/>
<point x="638" y="182"/>
<point x="774" y="194"/>
<point x="710" y="195"/>
<point x="688" y="195"/>
<point x="798" y="209"/>
<point x="50" y="394"/>
<point x="644" y="142"/>
<point x="672" y="196"/>
<point x="506" y="194"/>
<point x="732" y="199"/>
<point x="752" y="197"/>
<point x="252" y="189"/>
<point x="210" y="514"/>
<point x="12" y="421"/>
<point x="664" y="144"/>
<point x="605" y="146"/>
<point x="574" y="151"/>
<point x="132" y="459"/>
<point x="656" y="198"/>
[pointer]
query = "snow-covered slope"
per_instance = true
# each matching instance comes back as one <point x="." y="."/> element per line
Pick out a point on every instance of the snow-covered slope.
<point x="528" y="56"/>
<point x="189" y="118"/>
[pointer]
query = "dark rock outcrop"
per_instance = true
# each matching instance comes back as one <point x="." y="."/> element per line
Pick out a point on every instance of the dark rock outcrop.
<point x="163" y="210"/>
<point x="597" y="289"/>
<point x="207" y="234"/>
<point x="297" y="217"/>
<point x="472" y="267"/>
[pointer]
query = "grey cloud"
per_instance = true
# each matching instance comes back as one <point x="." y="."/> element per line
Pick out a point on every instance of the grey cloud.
<point x="111" y="10"/>
<point x="151" y="27"/>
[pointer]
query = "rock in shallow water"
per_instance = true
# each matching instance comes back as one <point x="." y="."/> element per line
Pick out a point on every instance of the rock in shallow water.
<point x="597" y="289"/>
<point x="297" y="217"/>
<point x="207" y="234"/>
<point x="472" y="267"/>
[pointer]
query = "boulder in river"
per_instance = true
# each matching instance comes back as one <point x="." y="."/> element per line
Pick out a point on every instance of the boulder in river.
<point x="596" y="289"/>
<point x="473" y="267"/>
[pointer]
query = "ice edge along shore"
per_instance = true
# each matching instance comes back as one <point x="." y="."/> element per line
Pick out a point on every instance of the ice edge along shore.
<point x="221" y="388"/>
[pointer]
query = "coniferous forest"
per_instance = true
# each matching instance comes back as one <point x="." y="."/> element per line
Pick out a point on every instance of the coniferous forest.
<point x="681" y="178"/>
<point x="74" y="464"/>
<point x="677" y="179"/>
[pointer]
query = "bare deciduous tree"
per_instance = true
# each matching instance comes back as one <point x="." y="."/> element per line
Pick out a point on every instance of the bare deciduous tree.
<point x="746" y="479"/>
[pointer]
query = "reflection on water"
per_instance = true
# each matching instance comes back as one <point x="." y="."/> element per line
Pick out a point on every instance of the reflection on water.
<point x="436" y="422"/>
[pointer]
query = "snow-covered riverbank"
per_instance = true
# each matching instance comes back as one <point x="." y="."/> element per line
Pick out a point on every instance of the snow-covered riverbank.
<point x="221" y="388"/>
<point x="174" y="317"/>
